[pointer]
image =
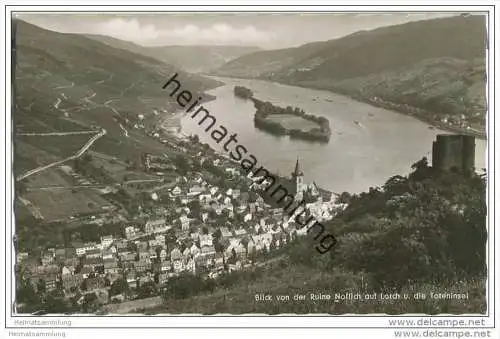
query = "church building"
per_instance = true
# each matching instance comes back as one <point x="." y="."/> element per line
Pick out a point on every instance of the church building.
<point x="299" y="188"/>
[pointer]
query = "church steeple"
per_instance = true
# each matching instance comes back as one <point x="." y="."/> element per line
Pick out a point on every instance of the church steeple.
<point x="297" y="179"/>
<point x="297" y="172"/>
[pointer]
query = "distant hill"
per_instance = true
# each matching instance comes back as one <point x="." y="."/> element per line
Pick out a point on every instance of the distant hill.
<point x="265" y="63"/>
<point x="199" y="59"/>
<point x="436" y="65"/>
<point x="196" y="59"/>
<point x="367" y="52"/>
<point x="389" y="48"/>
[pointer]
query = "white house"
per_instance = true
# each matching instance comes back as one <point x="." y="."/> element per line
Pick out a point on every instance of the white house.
<point x="106" y="241"/>
<point x="191" y="266"/>
<point x="206" y="240"/>
<point x="225" y="232"/>
<point x="240" y="232"/>
<point x="175" y="254"/>
<point x="204" y="216"/>
<point x="247" y="217"/>
<point x="184" y="222"/>
<point x="178" y="266"/>
<point x="130" y="232"/>
<point x="236" y="193"/>
<point x="160" y="238"/>
<point x="85" y="248"/>
<point x="194" y="250"/>
<point x="155" y="226"/>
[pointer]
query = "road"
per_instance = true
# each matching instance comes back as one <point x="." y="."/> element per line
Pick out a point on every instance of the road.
<point x="105" y="80"/>
<point x="168" y="185"/>
<point x="56" y="133"/>
<point x="59" y="162"/>
<point x="87" y="99"/>
<point x="89" y="143"/>
<point x="70" y="86"/>
<point x="60" y="187"/>
<point x="32" y="208"/>
<point x="270" y="261"/>
<point x="125" y="132"/>
<point x="133" y="305"/>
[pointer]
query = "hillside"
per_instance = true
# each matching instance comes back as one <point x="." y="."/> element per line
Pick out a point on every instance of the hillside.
<point x="424" y="233"/>
<point x="266" y="63"/>
<point x="434" y="65"/>
<point x="68" y="83"/>
<point x="392" y="47"/>
<point x="438" y="91"/>
<point x="199" y="59"/>
<point x="368" y="52"/>
<point x="196" y="59"/>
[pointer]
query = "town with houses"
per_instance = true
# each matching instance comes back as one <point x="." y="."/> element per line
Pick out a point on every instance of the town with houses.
<point x="209" y="222"/>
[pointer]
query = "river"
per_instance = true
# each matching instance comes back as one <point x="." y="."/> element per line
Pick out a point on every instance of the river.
<point x="359" y="155"/>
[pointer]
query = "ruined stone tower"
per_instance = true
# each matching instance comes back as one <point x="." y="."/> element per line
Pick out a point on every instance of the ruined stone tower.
<point x="454" y="152"/>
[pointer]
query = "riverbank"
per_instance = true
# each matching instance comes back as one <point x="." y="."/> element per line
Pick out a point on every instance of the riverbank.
<point x="392" y="106"/>
<point x="290" y="121"/>
<point x="405" y="109"/>
<point x="414" y="112"/>
<point x="356" y="158"/>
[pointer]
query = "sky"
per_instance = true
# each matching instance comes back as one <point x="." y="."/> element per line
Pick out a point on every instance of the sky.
<point x="265" y="30"/>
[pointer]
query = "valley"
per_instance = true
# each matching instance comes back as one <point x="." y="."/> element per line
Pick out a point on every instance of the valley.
<point x="123" y="204"/>
<point x="433" y="70"/>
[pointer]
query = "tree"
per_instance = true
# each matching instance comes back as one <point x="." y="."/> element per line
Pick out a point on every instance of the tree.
<point x="217" y="234"/>
<point x="26" y="293"/>
<point x="40" y="286"/>
<point x="195" y="208"/>
<point x="55" y="303"/>
<point x="21" y="187"/>
<point x="158" y="251"/>
<point x="186" y="285"/>
<point x="131" y="246"/>
<point x="182" y="164"/>
<point x="344" y="198"/>
<point x="435" y="230"/>
<point x="118" y="286"/>
<point x="219" y="248"/>
<point x="421" y="170"/>
<point x="195" y="139"/>
<point x="146" y="290"/>
<point x="90" y="303"/>
<point x="83" y="285"/>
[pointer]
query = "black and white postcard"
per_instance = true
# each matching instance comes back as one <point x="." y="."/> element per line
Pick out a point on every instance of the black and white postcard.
<point x="299" y="167"/>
